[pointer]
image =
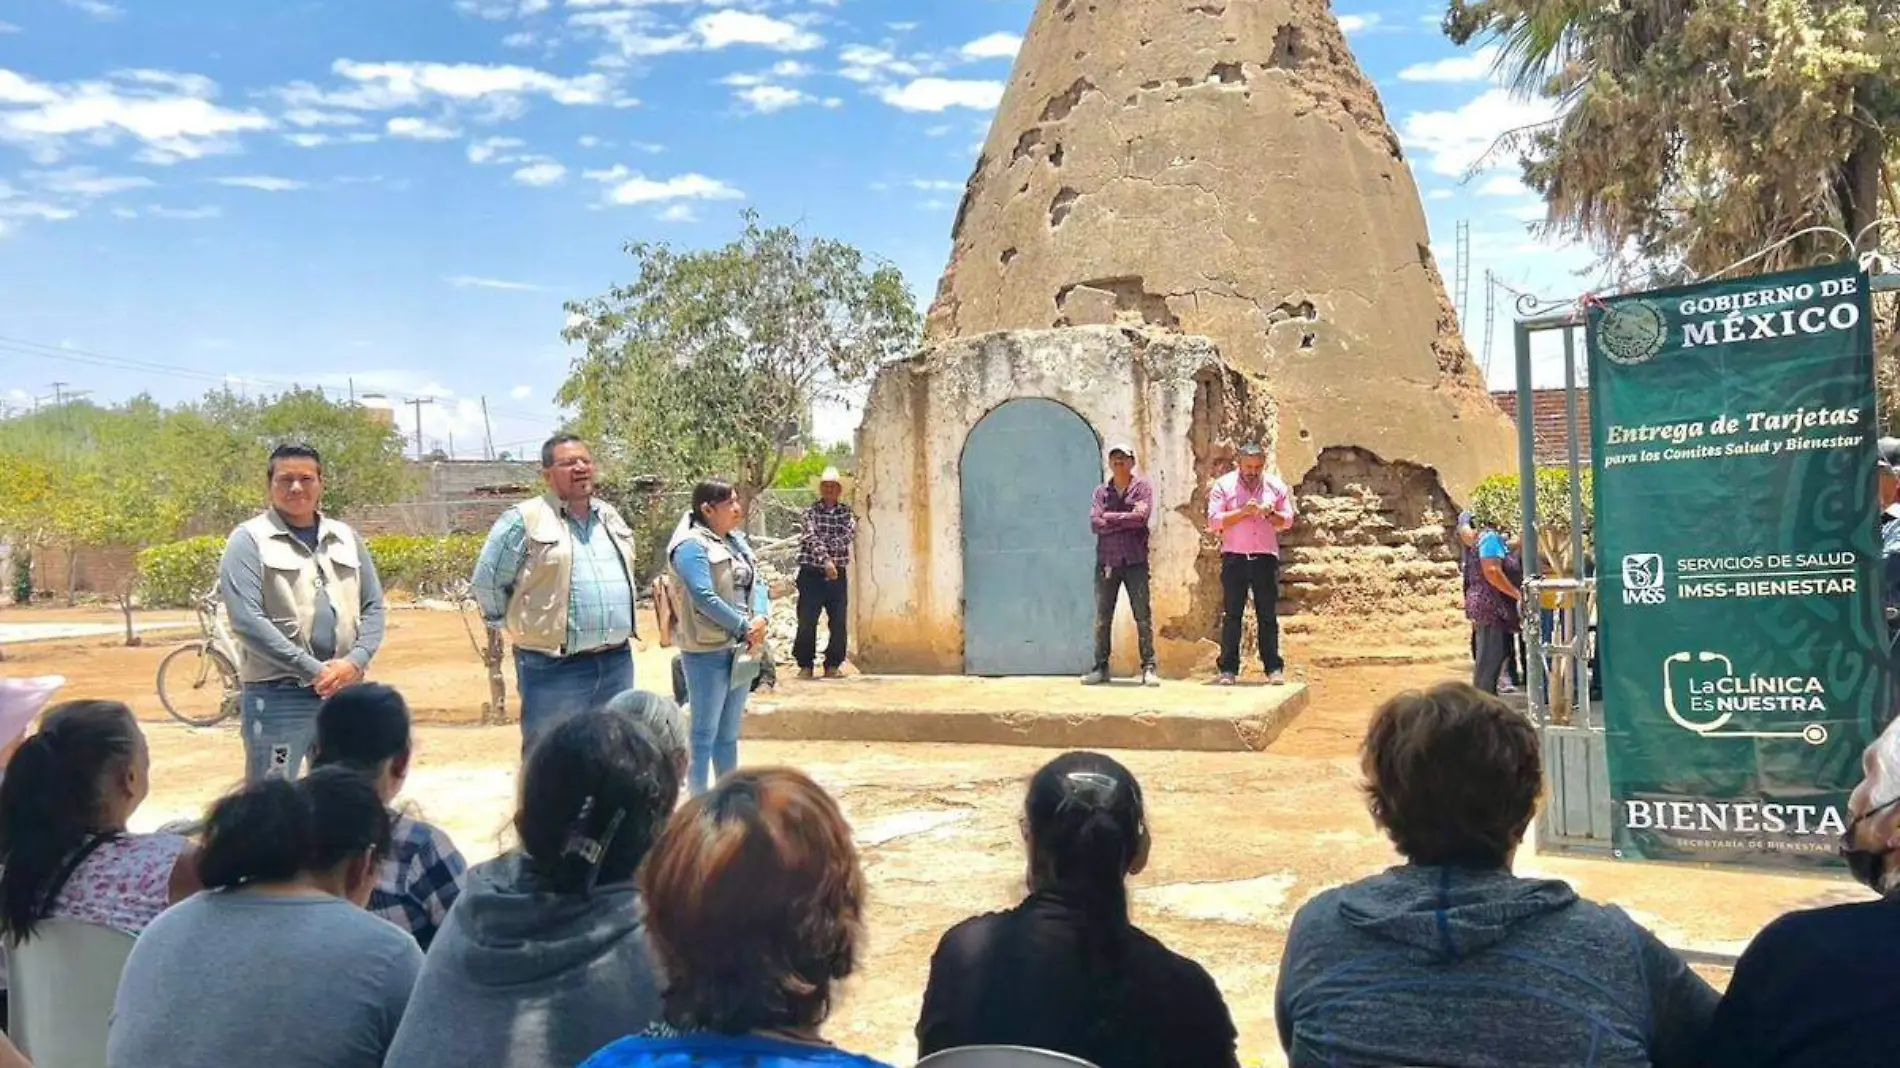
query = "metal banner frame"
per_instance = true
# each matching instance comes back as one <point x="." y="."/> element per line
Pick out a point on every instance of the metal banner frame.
<point x="1579" y="810"/>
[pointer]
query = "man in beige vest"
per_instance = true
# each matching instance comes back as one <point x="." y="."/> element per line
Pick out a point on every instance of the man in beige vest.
<point x="306" y="608"/>
<point x="557" y="573"/>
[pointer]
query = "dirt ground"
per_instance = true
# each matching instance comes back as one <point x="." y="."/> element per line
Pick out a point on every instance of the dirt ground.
<point x="1241" y="840"/>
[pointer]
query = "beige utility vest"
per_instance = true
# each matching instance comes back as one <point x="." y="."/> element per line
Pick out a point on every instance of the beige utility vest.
<point x="537" y="608"/>
<point x="699" y="632"/>
<point x="292" y="576"/>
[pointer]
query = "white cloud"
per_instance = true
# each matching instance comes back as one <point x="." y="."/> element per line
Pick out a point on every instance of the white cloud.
<point x="314" y="140"/>
<point x="589" y="141"/>
<point x="727" y="27"/>
<point x="1471" y="67"/>
<point x="541" y="174"/>
<point x="993" y="46"/>
<point x="172" y="116"/>
<point x="936" y="185"/>
<point x="415" y="129"/>
<point x="388" y="86"/>
<point x="308" y="117"/>
<point x="208" y="211"/>
<point x="8" y="27"/>
<point x="524" y="39"/>
<point x="498" y="10"/>
<point x="34" y="209"/>
<point x="863" y="63"/>
<point x="766" y="99"/>
<point x="679" y="213"/>
<point x="1439" y="194"/>
<point x="937" y="94"/>
<point x="86" y="183"/>
<point x="469" y="281"/>
<point x="1454" y="142"/>
<point x="98" y="9"/>
<point x="262" y="182"/>
<point x="1504" y="185"/>
<point x="1351" y="24"/>
<point x="626" y="187"/>
<point x="521" y="393"/>
<point x="491" y="148"/>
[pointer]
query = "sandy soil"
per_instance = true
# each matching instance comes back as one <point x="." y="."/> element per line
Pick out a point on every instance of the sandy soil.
<point x="1241" y="840"/>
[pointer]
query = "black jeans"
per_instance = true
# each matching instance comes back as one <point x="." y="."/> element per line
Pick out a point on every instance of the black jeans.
<point x="1240" y="575"/>
<point x="1108" y="586"/>
<point x="1494" y="650"/>
<point x="818" y="594"/>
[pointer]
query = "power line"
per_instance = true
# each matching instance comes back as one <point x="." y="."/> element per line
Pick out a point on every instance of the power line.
<point x="40" y="350"/>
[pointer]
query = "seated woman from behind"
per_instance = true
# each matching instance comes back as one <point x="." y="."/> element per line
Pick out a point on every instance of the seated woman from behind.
<point x="1451" y="959"/>
<point x="277" y="964"/>
<point x="64" y="804"/>
<point x="1066" y="970"/>
<point x="1808" y="989"/>
<point x="366" y="728"/>
<point x="753" y="898"/>
<point x="544" y="959"/>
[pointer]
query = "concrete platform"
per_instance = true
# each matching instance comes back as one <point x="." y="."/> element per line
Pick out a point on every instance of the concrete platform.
<point x="1056" y="713"/>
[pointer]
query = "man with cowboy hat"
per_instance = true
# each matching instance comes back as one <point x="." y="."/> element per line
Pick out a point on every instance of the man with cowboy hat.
<point x="824" y="551"/>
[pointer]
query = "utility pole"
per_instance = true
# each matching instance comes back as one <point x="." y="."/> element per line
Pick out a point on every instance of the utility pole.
<point x="488" y="432"/>
<point x="417" y="405"/>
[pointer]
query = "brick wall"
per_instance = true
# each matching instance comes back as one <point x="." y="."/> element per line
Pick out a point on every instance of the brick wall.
<point x="98" y="569"/>
<point x="1551" y="424"/>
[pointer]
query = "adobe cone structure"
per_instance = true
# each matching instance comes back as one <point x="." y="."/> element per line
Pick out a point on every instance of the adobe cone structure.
<point x="1223" y="168"/>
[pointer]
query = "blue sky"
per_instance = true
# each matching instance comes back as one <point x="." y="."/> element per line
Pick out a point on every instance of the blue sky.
<point x="400" y="195"/>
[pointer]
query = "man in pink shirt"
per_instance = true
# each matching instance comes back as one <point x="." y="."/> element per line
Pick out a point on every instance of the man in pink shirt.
<point x="1248" y="508"/>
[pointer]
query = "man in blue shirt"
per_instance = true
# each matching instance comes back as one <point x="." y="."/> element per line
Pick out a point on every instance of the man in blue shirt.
<point x="557" y="573"/>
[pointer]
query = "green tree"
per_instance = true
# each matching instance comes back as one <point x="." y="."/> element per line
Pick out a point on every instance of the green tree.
<point x="710" y="361"/>
<point x="798" y="473"/>
<point x="1693" y="135"/>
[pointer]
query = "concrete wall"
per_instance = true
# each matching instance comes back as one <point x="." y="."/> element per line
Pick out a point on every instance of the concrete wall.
<point x="1171" y="394"/>
<point x="452" y="497"/>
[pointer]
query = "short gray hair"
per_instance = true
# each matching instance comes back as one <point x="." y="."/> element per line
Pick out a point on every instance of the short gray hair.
<point x="658" y="713"/>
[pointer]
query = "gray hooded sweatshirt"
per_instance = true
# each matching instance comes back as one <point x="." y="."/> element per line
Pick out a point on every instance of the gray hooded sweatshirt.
<point x="1446" y="966"/>
<point x="522" y="978"/>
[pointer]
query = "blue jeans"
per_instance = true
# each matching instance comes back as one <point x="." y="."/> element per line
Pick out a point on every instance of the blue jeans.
<point x="717" y="709"/>
<point x="279" y="721"/>
<point x="553" y="688"/>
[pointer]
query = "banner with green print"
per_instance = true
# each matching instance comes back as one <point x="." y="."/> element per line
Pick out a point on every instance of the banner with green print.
<point x="1742" y="650"/>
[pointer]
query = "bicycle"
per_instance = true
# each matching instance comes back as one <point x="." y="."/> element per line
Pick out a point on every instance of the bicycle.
<point x="187" y="675"/>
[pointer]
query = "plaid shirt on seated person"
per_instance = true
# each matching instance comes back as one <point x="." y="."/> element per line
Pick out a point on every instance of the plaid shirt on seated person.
<point x="420" y="880"/>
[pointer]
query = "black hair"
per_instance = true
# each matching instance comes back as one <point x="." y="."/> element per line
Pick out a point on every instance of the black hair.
<point x="595" y="792"/>
<point x="711" y="491"/>
<point x="51" y="802"/>
<point x="361" y="727"/>
<point x="555" y="442"/>
<point x="275" y="830"/>
<point x="1086" y="827"/>
<point x="292" y="451"/>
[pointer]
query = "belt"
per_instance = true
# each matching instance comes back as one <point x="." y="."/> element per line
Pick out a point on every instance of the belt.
<point x="595" y="651"/>
<point x="1250" y="556"/>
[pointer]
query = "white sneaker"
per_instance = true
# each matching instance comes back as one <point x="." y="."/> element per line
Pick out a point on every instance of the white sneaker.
<point x="1149" y="678"/>
<point x="1095" y="678"/>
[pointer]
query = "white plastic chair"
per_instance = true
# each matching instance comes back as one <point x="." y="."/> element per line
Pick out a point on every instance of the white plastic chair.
<point x="62" y="983"/>
<point x="1001" y="1057"/>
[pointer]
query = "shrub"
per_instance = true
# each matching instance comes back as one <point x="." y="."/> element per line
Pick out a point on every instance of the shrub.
<point x="22" y="577"/>
<point x="427" y="566"/>
<point x="176" y="574"/>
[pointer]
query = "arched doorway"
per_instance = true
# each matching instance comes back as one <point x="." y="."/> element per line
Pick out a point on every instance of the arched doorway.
<point x="1029" y="472"/>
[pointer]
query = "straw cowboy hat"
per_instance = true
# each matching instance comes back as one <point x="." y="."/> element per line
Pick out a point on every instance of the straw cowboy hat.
<point x="832" y="474"/>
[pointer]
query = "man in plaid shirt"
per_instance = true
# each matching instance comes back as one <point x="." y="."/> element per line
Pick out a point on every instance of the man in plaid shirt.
<point x="421" y="878"/>
<point x="824" y="550"/>
<point x="366" y="728"/>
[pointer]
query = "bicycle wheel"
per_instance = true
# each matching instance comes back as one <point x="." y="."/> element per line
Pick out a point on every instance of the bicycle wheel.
<point x="197" y="685"/>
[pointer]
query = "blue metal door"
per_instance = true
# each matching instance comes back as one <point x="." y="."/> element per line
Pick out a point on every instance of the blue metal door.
<point x="1030" y="469"/>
